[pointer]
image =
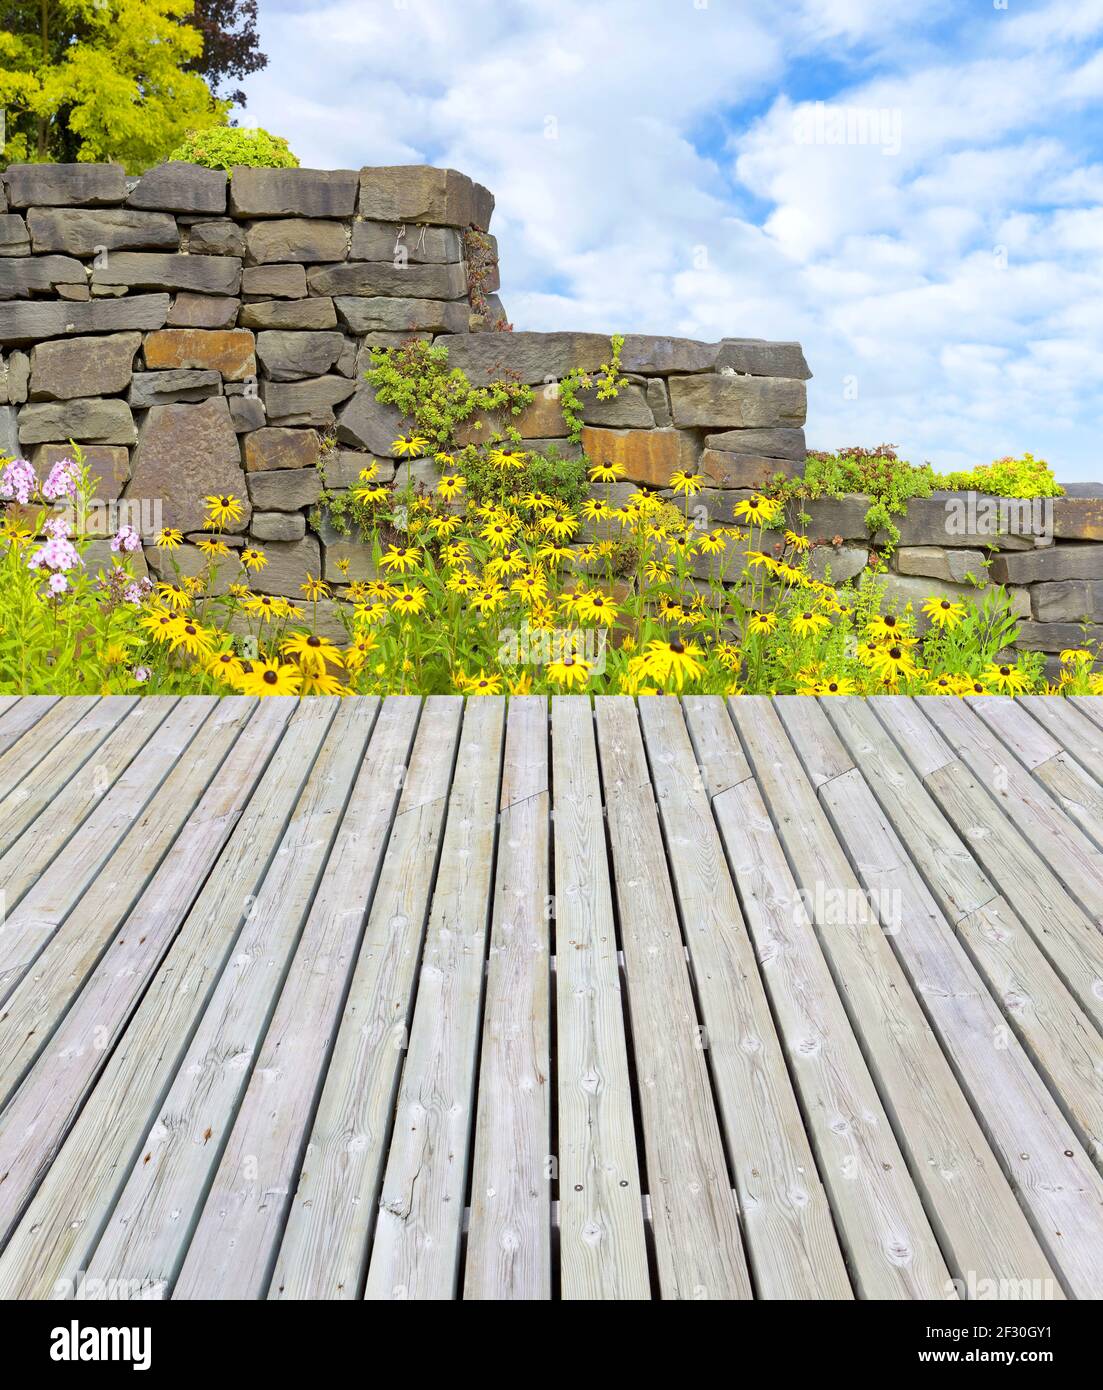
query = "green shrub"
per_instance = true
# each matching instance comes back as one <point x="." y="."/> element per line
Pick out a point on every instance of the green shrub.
<point x="224" y="147"/>
<point x="1008" y="477"/>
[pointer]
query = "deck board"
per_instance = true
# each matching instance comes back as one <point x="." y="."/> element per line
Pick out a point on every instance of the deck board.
<point x="517" y="999"/>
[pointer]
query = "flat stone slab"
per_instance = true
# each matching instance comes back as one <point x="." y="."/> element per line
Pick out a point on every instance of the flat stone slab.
<point x="191" y="310"/>
<point x="935" y="562"/>
<point x="380" y="278"/>
<point x="293" y="192"/>
<point x="290" y="313"/>
<point x="723" y="402"/>
<point x="169" y="387"/>
<point x="217" y="238"/>
<point x="526" y="357"/>
<point x="1055" y="562"/>
<point x="85" y="232"/>
<point x="767" y="443"/>
<point x="403" y="316"/>
<point x="656" y="355"/>
<point x="65" y="185"/>
<point x="309" y="402"/>
<point x="1068" y="601"/>
<point x="367" y="424"/>
<point x="177" y="186"/>
<point x="150" y="270"/>
<point x="296" y="239"/>
<point x="274" y="281"/>
<point x="419" y="193"/>
<point x="229" y="351"/>
<point x="647" y="456"/>
<point x="745" y="470"/>
<point x="22" y="276"/>
<point x="285" y="491"/>
<point x="758" y="357"/>
<point x="96" y="421"/>
<point x="294" y="356"/>
<point x="70" y="367"/>
<point x="268" y="450"/>
<point x="395" y="241"/>
<point x="14" y="238"/>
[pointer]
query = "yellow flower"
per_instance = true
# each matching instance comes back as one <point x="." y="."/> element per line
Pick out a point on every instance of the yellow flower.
<point x="370" y="472"/>
<point x="252" y="559"/>
<point x="672" y="662"/>
<point x="226" y="667"/>
<point x="213" y="548"/>
<point x="809" y="624"/>
<point x="195" y="640"/>
<point x="596" y="509"/>
<point x="886" y="627"/>
<point x="569" y="671"/>
<point x="265" y="606"/>
<point x="943" y="613"/>
<point x="401" y="558"/>
<point x="762" y="623"/>
<point x="561" y="525"/>
<point x="221" y="510"/>
<point x="159" y="624"/>
<point x="658" y="571"/>
<point x="314" y="589"/>
<point x="687" y="484"/>
<point x="169" y="538"/>
<point x="173" y="595"/>
<point x="355" y="656"/>
<point x="1008" y="679"/>
<point x="488" y="599"/>
<point x="497" y="534"/>
<point x="270" y="677"/>
<point x="451" y="485"/>
<point x="1075" y="656"/>
<point x="712" y="544"/>
<point x="596" y="607"/>
<point x="797" y="541"/>
<point x="310" y="651"/>
<point x="414" y="447"/>
<point x="322" y="682"/>
<point x="837" y="685"/>
<point x="761" y="511"/>
<point x="606" y="472"/>
<point x="409" y="601"/>
<point x="482" y="684"/>
<point x="893" y="661"/>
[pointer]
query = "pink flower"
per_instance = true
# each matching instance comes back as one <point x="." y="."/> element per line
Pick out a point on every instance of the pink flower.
<point x="18" y="481"/>
<point x="56" y="554"/>
<point x="141" y="674"/>
<point x="63" y="480"/>
<point x="58" y="527"/>
<point x="58" y="583"/>
<point x="127" y="539"/>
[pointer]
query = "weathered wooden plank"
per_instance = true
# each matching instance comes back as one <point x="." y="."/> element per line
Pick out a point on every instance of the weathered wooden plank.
<point x="927" y="750"/>
<point x="1010" y="722"/>
<point x="509" y="1239"/>
<point x="324" y="1249"/>
<point x="787" y="1227"/>
<point x="1009" y="1098"/>
<point x="31" y="728"/>
<point x="1091" y="705"/>
<point x="36" y="1120"/>
<point x="234" y="1246"/>
<point x="823" y="756"/>
<point x="1047" y="1020"/>
<point x="1073" y="857"/>
<point x="416" y="1251"/>
<point x="718" y="754"/>
<point x="602" y="1248"/>
<point x="966" y="1195"/>
<point x="694" y="1212"/>
<point x="145" y="1241"/>
<point x="1078" y="735"/>
<point x="56" y="1236"/>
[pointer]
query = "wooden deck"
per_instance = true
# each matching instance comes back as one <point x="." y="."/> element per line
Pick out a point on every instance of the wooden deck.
<point x="680" y="999"/>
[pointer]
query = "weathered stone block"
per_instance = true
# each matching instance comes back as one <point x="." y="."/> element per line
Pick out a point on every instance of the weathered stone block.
<point x="293" y="192"/>
<point x="220" y="238"/>
<point x="372" y="279"/>
<point x="22" y="276"/>
<point x="229" y="351"/>
<point x="648" y="456"/>
<point x="65" y="185"/>
<point x="901" y="589"/>
<point x="189" y="560"/>
<point x="309" y="402"/>
<point x="658" y="399"/>
<point x="654" y="355"/>
<point x="1074" y="518"/>
<point x="757" y="357"/>
<point x="402" y="316"/>
<point x="355" y="557"/>
<point x="844" y="562"/>
<point x="525" y="357"/>
<point x="14" y="240"/>
<point x="289" y="563"/>
<point x="972" y="520"/>
<point x="80" y="232"/>
<point x="543" y="419"/>
<point x="18" y="371"/>
<point x="765" y="443"/>
<point x="9" y="433"/>
<point x="108" y="466"/>
<point x="1057" y="637"/>
<point x="247" y="413"/>
<point x="729" y="401"/>
<point x="150" y="270"/>
<point x="342" y="468"/>
<point x="271" y="449"/>
<point x="290" y="356"/>
<point x="1068" y="601"/>
<point x="627" y="410"/>
<point x="294" y="313"/>
<point x="952" y="566"/>
<point x="745" y="470"/>
<point x="180" y="187"/>
<point x="833" y="516"/>
<point x="99" y="558"/>
<point x="367" y="424"/>
<point x="279" y="526"/>
<point x="391" y="241"/>
<point x="296" y="239"/>
<point x="191" y="310"/>
<point x="274" y="281"/>
<point x="418" y="193"/>
<point x="169" y="387"/>
<point x="73" y="367"/>
<point x="93" y="421"/>
<point x="1053" y="563"/>
<point x="286" y="490"/>
<point x="186" y="453"/>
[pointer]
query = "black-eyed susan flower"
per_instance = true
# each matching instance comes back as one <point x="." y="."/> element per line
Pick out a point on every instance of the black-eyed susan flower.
<point x="672" y="662"/>
<point x="450" y="485"/>
<point x="893" y="661"/>
<point x="400" y="558"/>
<point x="484" y="684"/>
<point x="314" y="588"/>
<point x="809" y="623"/>
<point x="311" y="651"/>
<point x="568" y="672"/>
<point x="253" y="559"/>
<point x="222" y="510"/>
<point x="885" y="627"/>
<point x="596" y="607"/>
<point x="270" y="677"/>
<point x="413" y="447"/>
<point x="213" y="547"/>
<point x="409" y="601"/>
<point x="686" y="484"/>
<point x="226" y="667"/>
<point x="760" y="511"/>
<point x="944" y="613"/>
<point x="173" y="595"/>
<point x="190" y="637"/>
<point x="762" y="624"/>
<point x="1008" y="679"/>
<point x="607" y="472"/>
<point x="169" y="538"/>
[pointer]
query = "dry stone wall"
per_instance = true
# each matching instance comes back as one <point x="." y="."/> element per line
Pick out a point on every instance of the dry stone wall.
<point x="198" y="334"/>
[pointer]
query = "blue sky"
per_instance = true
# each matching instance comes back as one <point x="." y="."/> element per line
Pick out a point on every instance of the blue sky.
<point x="932" y="233"/>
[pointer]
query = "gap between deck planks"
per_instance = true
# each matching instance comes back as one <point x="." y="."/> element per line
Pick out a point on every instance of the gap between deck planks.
<point x="529" y="999"/>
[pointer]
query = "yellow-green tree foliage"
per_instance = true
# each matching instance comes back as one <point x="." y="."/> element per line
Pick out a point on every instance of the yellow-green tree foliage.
<point x="100" y="80"/>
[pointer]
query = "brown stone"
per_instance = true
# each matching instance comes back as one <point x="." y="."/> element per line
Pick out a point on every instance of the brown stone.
<point x="186" y="453"/>
<point x="1078" y="518"/>
<point x="420" y="193"/>
<point x="190" y="310"/>
<point x="229" y="351"/>
<point x="108" y="466"/>
<point x="745" y="470"/>
<point x="73" y="367"/>
<point x="270" y="449"/>
<point x="312" y="314"/>
<point x="543" y="419"/>
<point x="727" y="402"/>
<point x="648" y="456"/>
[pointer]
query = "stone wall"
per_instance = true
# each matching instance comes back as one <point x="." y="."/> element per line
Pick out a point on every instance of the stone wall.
<point x="198" y="335"/>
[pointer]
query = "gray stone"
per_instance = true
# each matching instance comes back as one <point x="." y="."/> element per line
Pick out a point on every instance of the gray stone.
<point x="371" y="279"/>
<point x="350" y="552"/>
<point x="172" y="386"/>
<point x="833" y="516"/>
<point x="745" y="470"/>
<point x="96" y="421"/>
<point x="85" y="233"/>
<point x="100" y="558"/>
<point x="181" y="187"/>
<point x="279" y="526"/>
<point x="73" y="367"/>
<point x="309" y="402"/>
<point x="845" y="562"/>
<point x="387" y="340"/>
<point x="270" y="449"/>
<point x="346" y="359"/>
<point x="247" y="413"/>
<point x="342" y="468"/>
<point x="728" y="401"/>
<point x="658" y="399"/>
<point x="402" y="316"/>
<point x="150" y="270"/>
<point x="367" y="424"/>
<point x="973" y="520"/>
<point x="290" y="356"/>
<point x="293" y="192"/>
<point x="901" y="589"/>
<point x="390" y="241"/>
<point x="189" y="561"/>
<point x="190" y="310"/>
<point x="285" y="490"/>
<point x="628" y="409"/>
<point x="777" y="444"/>
<point x="74" y="292"/>
<point x="289" y="564"/>
<point x="1057" y="637"/>
<point x="1068" y="601"/>
<point x="186" y="453"/>
<point x="296" y="239"/>
<point x="1078" y="518"/>
<point x="757" y="357"/>
<point x="65" y="185"/>
<point x="274" y="281"/>
<point x="108" y="466"/>
<point x="652" y="355"/>
<point x="313" y="314"/>
<point x="1084" y="561"/>
<point x="9" y="433"/>
<point x="21" y="276"/>
<point x="953" y="566"/>
<point x="525" y="357"/>
<point x="221" y="238"/>
<point x="19" y="375"/>
<point x="14" y="240"/>
<point x="418" y="193"/>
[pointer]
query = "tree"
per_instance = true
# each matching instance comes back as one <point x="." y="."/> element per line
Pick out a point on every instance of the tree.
<point x="101" y="79"/>
<point x="230" y="43"/>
